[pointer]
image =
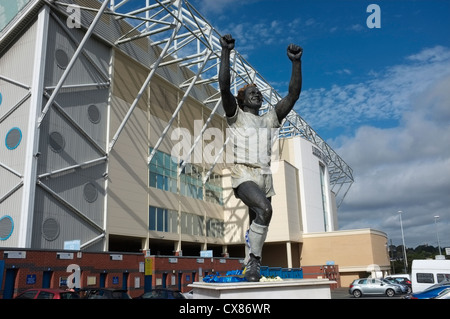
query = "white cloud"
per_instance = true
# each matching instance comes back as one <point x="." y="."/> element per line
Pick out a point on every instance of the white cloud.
<point x="384" y="97"/>
<point x="356" y="27"/>
<point x="436" y="54"/>
<point x="401" y="168"/>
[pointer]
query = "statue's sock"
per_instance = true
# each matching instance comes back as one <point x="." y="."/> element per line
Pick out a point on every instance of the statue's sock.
<point x="256" y="236"/>
<point x="247" y="248"/>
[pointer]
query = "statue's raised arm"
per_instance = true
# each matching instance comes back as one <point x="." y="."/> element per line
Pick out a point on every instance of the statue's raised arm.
<point x="283" y="107"/>
<point x="228" y="100"/>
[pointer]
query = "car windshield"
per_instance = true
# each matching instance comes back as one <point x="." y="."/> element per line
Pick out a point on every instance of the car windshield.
<point x="120" y="295"/>
<point x="69" y="295"/>
<point x="400" y="279"/>
<point x="27" y="295"/>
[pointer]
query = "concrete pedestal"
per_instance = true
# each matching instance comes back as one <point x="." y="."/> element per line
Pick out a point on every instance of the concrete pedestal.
<point x="286" y="289"/>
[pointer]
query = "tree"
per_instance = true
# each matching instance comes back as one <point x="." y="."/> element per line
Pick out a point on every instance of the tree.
<point x="420" y="252"/>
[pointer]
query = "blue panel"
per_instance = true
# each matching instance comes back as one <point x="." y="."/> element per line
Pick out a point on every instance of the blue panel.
<point x="7" y="227"/>
<point x="13" y="138"/>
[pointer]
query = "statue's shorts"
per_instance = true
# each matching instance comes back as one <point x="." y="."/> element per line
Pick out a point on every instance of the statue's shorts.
<point x="241" y="173"/>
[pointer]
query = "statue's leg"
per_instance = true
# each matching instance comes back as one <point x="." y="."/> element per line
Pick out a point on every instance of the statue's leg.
<point x="260" y="206"/>
<point x="260" y="215"/>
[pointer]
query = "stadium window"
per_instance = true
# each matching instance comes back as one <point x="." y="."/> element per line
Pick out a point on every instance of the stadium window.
<point x="426" y="278"/>
<point x="214" y="228"/>
<point x="324" y="196"/>
<point x="163" y="172"/>
<point x="191" y="184"/>
<point x="152" y="218"/>
<point x="163" y="175"/>
<point x="163" y="220"/>
<point x="214" y="190"/>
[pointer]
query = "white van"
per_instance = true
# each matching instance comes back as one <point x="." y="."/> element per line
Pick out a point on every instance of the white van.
<point x="428" y="272"/>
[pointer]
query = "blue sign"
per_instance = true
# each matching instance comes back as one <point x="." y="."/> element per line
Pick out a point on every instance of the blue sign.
<point x="206" y="253"/>
<point x="62" y="281"/>
<point x="72" y="244"/>
<point x="31" y="279"/>
<point x="115" y="280"/>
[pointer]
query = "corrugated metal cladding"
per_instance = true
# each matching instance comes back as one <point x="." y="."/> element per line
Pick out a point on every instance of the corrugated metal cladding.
<point x="16" y="64"/>
<point x="69" y="204"/>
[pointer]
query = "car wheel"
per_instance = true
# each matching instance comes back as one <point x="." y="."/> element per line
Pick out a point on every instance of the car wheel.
<point x="357" y="293"/>
<point x="390" y="293"/>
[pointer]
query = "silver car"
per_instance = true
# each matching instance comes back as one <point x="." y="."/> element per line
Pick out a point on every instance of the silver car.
<point x="373" y="286"/>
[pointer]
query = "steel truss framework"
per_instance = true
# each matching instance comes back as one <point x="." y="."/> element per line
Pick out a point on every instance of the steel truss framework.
<point x="184" y="37"/>
<point x="188" y="37"/>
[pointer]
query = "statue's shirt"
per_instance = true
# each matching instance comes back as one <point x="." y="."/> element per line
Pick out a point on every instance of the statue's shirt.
<point x="253" y="137"/>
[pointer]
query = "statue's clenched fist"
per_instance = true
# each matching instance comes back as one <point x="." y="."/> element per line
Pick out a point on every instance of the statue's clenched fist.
<point x="227" y="42"/>
<point x="294" y="52"/>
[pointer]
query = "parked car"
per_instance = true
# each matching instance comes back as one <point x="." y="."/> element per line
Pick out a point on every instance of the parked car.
<point x="46" y="293"/>
<point x="405" y="288"/>
<point x="407" y="276"/>
<point x="373" y="286"/>
<point x="162" y="293"/>
<point x="402" y="281"/>
<point x="104" y="293"/>
<point x="430" y="292"/>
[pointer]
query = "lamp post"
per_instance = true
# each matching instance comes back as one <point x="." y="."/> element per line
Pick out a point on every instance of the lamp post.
<point x="403" y="240"/>
<point x="437" y="233"/>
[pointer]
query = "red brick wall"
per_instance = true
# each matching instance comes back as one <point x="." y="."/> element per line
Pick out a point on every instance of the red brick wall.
<point x="92" y="265"/>
<point x="189" y="267"/>
<point x="323" y="271"/>
<point x="173" y="272"/>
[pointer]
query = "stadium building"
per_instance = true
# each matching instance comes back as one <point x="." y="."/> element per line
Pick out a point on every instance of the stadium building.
<point x="114" y="139"/>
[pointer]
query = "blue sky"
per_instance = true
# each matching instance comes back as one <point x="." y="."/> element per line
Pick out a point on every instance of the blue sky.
<point x="379" y="96"/>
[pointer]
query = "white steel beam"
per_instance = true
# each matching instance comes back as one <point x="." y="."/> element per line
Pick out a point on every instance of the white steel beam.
<point x="143" y="87"/>
<point x="72" y="61"/>
<point x="72" y="208"/>
<point x="77" y="127"/>
<point x="73" y="167"/>
<point x="33" y="132"/>
<point x="11" y="191"/>
<point x="183" y="99"/>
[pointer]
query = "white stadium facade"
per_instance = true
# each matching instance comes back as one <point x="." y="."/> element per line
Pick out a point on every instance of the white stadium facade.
<point x="93" y="97"/>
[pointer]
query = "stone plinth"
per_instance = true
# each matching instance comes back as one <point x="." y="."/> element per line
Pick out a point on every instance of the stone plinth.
<point x="286" y="289"/>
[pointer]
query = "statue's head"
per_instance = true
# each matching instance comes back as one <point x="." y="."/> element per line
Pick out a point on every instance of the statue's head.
<point x="249" y="96"/>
